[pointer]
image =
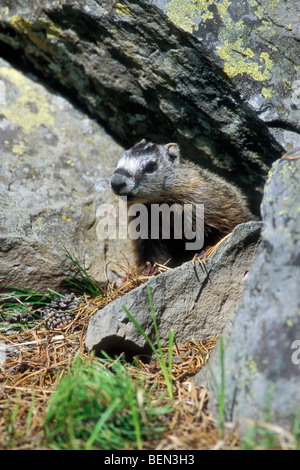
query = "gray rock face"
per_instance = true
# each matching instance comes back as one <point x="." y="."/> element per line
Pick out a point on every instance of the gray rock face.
<point x="257" y="44"/>
<point x="54" y="173"/>
<point x="145" y="79"/>
<point x="193" y="302"/>
<point x="262" y="364"/>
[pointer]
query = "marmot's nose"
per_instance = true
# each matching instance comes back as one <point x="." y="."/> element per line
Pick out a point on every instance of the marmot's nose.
<point x="117" y="182"/>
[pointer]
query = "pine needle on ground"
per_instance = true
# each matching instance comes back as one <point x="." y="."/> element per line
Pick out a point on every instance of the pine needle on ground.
<point x="37" y="359"/>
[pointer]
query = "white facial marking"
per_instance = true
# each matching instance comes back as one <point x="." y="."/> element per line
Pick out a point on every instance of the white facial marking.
<point x="129" y="164"/>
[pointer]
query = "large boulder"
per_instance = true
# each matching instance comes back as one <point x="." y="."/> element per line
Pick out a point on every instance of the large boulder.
<point x="257" y="45"/>
<point x="55" y="169"/>
<point x="143" y="77"/>
<point x="195" y="302"/>
<point x="261" y="359"/>
<point x="140" y="78"/>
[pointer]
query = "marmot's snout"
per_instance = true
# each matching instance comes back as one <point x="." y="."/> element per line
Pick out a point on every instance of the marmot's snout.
<point x="118" y="182"/>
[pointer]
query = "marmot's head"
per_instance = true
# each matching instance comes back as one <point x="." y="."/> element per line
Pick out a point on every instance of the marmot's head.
<point x="145" y="171"/>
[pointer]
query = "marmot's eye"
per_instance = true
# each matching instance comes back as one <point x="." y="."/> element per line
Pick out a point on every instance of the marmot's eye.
<point x="150" y="167"/>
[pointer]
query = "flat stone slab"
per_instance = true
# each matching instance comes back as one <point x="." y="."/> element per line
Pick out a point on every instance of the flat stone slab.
<point x="194" y="302"/>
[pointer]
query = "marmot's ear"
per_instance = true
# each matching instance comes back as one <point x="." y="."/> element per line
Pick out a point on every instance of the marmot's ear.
<point x="173" y="152"/>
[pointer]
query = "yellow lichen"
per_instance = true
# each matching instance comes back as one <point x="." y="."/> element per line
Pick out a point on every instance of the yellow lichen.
<point x="207" y="16"/>
<point x="19" y="148"/>
<point x="122" y="9"/>
<point x="266" y="92"/>
<point x="265" y="57"/>
<point x="52" y="30"/>
<point x="5" y="11"/>
<point x="38" y="37"/>
<point x="222" y="8"/>
<point x="183" y="12"/>
<point x="239" y="60"/>
<point x="266" y="6"/>
<point x="64" y="217"/>
<point x="29" y="110"/>
<point x="252" y="366"/>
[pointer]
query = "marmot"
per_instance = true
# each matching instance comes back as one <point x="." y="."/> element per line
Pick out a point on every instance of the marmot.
<point x="152" y="174"/>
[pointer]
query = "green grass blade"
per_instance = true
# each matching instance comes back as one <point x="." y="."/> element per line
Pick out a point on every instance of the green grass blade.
<point x="84" y="283"/>
<point x="170" y="358"/>
<point x="140" y="329"/>
<point x="158" y="353"/>
<point x="97" y="406"/>
<point x="100" y="423"/>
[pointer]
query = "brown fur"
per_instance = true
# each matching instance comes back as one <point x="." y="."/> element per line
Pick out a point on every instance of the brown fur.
<point x="185" y="183"/>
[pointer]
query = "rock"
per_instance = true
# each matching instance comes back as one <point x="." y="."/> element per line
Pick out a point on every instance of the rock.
<point x="257" y="44"/>
<point x="6" y="349"/>
<point x="262" y="364"/>
<point x="194" y="302"/>
<point x="143" y="77"/>
<point x="55" y="169"/>
<point x="2" y="352"/>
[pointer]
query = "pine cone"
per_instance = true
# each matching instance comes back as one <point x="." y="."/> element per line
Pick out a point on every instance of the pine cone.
<point x="60" y="311"/>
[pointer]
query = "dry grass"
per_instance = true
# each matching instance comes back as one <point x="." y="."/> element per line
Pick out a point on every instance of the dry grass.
<point x="39" y="357"/>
